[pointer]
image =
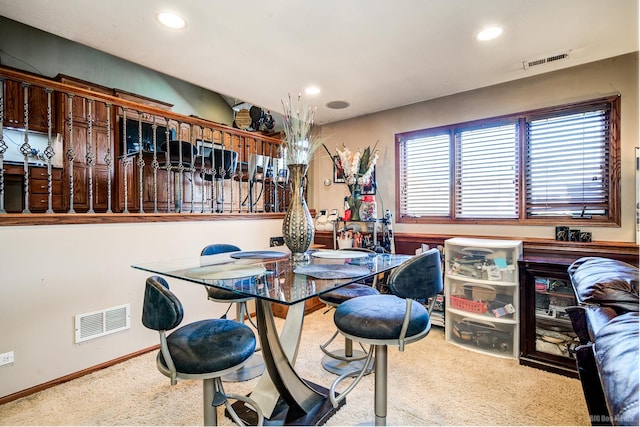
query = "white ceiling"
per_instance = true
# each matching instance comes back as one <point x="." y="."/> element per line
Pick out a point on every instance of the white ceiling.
<point x="374" y="54"/>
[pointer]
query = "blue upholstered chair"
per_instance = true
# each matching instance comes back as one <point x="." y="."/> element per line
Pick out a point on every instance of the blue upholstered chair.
<point x="256" y="366"/>
<point x="395" y="319"/>
<point x="205" y="349"/>
<point x="223" y="295"/>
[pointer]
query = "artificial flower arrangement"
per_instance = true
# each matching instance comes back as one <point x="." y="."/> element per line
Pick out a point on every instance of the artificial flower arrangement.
<point x="300" y="140"/>
<point x="357" y="167"/>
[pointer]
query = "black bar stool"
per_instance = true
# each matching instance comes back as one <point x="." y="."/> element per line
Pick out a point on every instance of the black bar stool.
<point x="395" y="319"/>
<point x="206" y="349"/>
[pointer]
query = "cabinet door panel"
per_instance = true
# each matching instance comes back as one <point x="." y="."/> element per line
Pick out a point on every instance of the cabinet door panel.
<point x="161" y="187"/>
<point x="38" y="106"/>
<point x="79" y="109"/>
<point x="101" y="145"/>
<point x="132" y="185"/>
<point x="99" y="112"/>
<point x="100" y="189"/>
<point x="14" y="106"/>
<point x="547" y="337"/>
<point x="79" y="144"/>
<point x="80" y="188"/>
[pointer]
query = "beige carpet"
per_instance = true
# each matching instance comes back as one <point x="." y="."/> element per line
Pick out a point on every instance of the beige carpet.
<point x="431" y="383"/>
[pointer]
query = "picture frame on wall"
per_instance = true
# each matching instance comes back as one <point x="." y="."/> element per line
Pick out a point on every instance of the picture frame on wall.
<point x="338" y="172"/>
<point x="338" y="177"/>
<point x="370" y="188"/>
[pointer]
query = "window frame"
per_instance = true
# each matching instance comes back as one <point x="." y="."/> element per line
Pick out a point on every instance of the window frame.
<point x="613" y="217"/>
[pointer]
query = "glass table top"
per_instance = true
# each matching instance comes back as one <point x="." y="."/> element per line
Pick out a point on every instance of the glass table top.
<point x="272" y="275"/>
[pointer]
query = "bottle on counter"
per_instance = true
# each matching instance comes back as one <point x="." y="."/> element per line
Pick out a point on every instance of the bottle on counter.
<point x="347" y="209"/>
<point x="368" y="209"/>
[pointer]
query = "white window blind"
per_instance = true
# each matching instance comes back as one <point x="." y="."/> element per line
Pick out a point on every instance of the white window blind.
<point x="538" y="167"/>
<point x="487" y="172"/>
<point x="568" y="164"/>
<point x="425" y="176"/>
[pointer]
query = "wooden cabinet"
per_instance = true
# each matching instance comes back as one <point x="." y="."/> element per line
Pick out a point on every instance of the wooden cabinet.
<point x="83" y="108"/>
<point x="132" y="171"/>
<point x="547" y="338"/>
<point x="38" y="189"/>
<point x="37" y="104"/>
<point x="90" y="146"/>
<point x="88" y="136"/>
<point x="134" y="181"/>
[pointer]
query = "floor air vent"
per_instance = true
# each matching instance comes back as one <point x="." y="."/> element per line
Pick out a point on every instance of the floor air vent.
<point x="548" y="59"/>
<point x="103" y="322"/>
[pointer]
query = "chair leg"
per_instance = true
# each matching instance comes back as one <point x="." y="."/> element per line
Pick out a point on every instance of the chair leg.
<point x="348" y="347"/>
<point x="381" y="385"/>
<point x="210" y="412"/>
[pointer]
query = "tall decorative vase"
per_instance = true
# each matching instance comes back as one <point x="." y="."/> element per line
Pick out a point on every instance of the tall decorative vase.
<point x="355" y="201"/>
<point x="298" y="227"/>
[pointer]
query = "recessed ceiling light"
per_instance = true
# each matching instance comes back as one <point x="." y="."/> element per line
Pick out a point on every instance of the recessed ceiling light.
<point x="489" y="33"/>
<point x="337" y="105"/>
<point x="312" y="90"/>
<point x="171" y="20"/>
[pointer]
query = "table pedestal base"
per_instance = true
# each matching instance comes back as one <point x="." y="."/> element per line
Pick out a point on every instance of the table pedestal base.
<point x="286" y="415"/>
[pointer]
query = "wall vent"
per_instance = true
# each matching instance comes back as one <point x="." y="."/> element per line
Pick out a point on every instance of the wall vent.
<point x="548" y="59"/>
<point x="103" y="322"/>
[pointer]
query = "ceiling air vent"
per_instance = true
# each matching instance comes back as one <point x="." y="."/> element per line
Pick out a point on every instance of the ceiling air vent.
<point x="541" y="61"/>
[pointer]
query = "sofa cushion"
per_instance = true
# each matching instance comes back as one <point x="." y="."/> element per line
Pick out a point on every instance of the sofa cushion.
<point x="606" y="282"/>
<point x="616" y="350"/>
<point x="597" y="318"/>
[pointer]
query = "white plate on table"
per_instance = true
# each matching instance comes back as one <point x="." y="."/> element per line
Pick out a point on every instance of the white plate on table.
<point x="339" y="254"/>
<point x="225" y="272"/>
<point x="258" y="255"/>
<point x="332" y="271"/>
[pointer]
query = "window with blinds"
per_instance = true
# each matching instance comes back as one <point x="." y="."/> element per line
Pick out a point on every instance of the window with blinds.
<point x="487" y="172"/>
<point x="557" y="163"/>
<point x="425" y="175"/>
<point x="568" y="164"/>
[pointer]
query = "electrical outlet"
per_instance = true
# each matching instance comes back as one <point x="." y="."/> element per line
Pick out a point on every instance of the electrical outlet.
<point x="6" y="358"/>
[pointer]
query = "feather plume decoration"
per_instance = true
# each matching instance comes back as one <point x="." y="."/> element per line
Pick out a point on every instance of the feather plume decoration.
<point x="300" y="138"/>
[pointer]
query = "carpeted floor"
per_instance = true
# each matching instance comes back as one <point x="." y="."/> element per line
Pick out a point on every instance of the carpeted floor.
<point x="431" y="383"/>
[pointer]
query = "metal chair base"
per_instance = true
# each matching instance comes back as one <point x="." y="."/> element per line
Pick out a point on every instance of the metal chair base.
<point x="341" y="367"/>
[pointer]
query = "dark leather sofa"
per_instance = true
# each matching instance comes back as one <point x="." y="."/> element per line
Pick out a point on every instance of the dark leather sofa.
<point x="606" y="322"/>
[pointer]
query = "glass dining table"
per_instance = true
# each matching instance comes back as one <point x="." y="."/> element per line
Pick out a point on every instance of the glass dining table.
<point x="272" y="277"/>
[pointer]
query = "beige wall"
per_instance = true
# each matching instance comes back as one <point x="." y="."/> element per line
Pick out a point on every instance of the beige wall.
<point x="615" y="75"/>
<point x="49" y="274"/>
